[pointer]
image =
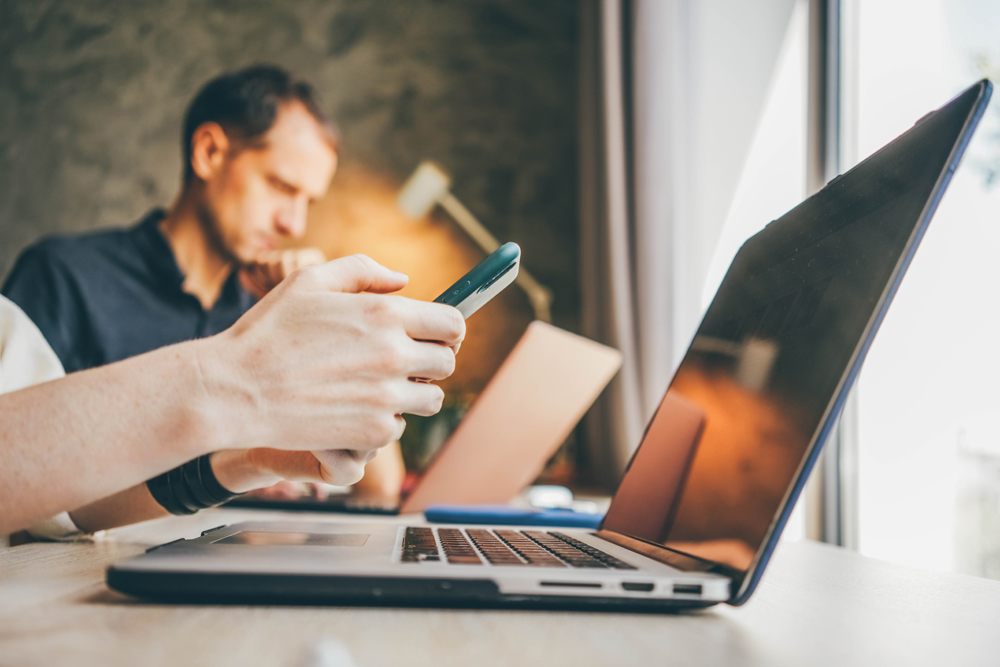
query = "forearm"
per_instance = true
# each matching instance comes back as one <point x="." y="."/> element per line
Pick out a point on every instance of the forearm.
<point x="100" y="431"/>
<point x="126" y="507"/>
<point x="234" y="469"/>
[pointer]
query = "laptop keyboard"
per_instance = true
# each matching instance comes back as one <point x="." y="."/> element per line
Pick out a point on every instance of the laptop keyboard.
<point x="478" y="546"/>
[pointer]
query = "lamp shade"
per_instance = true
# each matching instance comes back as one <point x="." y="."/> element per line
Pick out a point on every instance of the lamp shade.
<point x="423" y="190"/>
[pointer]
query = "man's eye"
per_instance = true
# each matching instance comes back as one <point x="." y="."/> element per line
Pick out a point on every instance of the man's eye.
<point x="283" y="187"/>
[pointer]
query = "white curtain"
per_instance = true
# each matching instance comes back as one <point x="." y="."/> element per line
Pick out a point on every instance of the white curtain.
<point x="671" y="92"/>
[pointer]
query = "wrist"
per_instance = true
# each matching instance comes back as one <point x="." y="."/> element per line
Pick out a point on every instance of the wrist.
<point x="194" y="486"/>
<point x="190" y="419"/>
<point x="223" y="400"/>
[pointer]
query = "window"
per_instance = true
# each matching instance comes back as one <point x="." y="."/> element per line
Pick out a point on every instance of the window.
<point x="929" y="400"/>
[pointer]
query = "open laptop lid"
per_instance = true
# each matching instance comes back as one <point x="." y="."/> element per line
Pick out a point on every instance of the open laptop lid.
<point x="527" y="410"/>
<point x="728" y="451"/>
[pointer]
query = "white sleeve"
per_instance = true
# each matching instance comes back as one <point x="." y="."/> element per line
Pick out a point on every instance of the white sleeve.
<point x="59" y="528"/>
<point x="26" y="359"/>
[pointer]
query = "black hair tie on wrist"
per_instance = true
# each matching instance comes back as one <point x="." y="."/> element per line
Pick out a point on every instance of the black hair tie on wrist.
<point x="199" y="495"/>
<point x="210" y="483"/>
<point x="189" y="488"/>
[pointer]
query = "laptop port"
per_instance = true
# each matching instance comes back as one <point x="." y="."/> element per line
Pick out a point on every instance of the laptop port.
<point x="571" y="584"/>
<point x="687" y="589"/>
<point x="637" y="586"/>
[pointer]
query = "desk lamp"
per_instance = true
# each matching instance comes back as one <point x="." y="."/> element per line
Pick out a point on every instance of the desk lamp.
<point x="429" y="186"/>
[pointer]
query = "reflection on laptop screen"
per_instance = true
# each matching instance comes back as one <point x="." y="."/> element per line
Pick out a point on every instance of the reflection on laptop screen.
<point x="773" y="350"/>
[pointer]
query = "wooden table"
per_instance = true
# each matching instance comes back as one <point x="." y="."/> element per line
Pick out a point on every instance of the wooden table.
<point x="817" y="605"/>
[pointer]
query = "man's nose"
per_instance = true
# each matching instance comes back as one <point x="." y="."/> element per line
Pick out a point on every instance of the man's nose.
<point x="291" y="219"/>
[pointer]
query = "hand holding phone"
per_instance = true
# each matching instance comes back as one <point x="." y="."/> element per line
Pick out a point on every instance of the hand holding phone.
<point x="485" y="281"/>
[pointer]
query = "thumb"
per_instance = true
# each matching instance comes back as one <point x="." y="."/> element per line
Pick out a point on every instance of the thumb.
<point x="340" y="467"/>
<point x="360" y="273"/>
<point x="343" y="467"/>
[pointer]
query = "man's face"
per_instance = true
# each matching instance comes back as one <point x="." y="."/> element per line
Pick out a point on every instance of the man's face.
<point x="261" y="193"/>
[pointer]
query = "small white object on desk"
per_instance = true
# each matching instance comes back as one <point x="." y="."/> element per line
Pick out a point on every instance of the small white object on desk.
<point x="548" y="496"/>
<point x="329" y="653"/>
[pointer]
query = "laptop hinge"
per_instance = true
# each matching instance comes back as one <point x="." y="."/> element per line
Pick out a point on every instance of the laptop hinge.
<point x="667" y="556"/>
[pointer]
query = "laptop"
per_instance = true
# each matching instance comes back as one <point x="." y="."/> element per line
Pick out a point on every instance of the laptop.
<point x="540" y="392"/>
<point x="703" y="502"/>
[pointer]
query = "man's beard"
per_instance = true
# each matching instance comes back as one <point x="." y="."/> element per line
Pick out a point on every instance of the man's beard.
<point x="213" y="234"/>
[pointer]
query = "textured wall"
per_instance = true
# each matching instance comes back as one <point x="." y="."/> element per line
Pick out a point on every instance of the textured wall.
<point x="92" y="93"/>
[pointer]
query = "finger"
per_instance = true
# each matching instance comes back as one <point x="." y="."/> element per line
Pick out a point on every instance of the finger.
<point x="431" y="361"/>
<point x="359" y="273"/>
<point x="342" y="467"/>
<point x="432" y="322"/>
<point x="420" y="399"/>
<point x="299" y="466"/>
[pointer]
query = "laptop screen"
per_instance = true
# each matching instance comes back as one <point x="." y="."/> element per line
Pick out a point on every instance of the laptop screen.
<point x="758" y="384"/>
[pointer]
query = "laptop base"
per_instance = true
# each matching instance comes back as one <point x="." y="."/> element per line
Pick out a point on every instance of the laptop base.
<point x="311" y="590"/>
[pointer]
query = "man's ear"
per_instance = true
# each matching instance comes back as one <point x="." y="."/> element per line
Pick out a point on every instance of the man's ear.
<point x="209" y="147"/>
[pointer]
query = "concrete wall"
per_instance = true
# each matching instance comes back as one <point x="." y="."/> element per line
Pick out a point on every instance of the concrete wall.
<point x="92" y="93"/>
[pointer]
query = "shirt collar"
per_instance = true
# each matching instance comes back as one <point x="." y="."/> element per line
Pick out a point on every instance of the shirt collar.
<point x="158" y="254"/>
<point x="155" y="249"/>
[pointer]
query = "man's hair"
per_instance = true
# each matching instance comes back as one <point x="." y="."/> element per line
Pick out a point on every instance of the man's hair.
<point x="246" y="103"/>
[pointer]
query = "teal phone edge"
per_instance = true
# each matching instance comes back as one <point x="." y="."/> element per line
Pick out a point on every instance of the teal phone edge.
<point x="487" y="279"/>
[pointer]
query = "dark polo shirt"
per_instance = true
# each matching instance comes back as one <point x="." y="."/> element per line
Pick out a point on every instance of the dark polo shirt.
<point x="109" y="295"/>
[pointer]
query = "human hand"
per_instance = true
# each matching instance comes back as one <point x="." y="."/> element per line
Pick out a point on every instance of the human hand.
<point x="262" y="275"/>
<point x="256" y="471"/>
<point x="322" y="362"/>
<point x="277" y="473"/>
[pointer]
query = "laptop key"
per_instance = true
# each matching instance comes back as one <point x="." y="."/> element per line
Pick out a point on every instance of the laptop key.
<point x="456" y="547"/>
<point x="528" y="549"/>
<point x="571" y="555"/>
<point x="504" y="548"/>
<point x="576" y="552"/>
<point x="495" y="551"/>
<point x="419" y="546"/>
<point x="594" y="552"/>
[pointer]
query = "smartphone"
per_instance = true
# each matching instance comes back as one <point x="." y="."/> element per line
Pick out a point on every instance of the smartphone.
<point x="485" y="281"/>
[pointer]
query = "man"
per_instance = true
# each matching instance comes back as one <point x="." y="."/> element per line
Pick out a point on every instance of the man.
<point x="257" y="151"/>
<point x="317" y="366"/>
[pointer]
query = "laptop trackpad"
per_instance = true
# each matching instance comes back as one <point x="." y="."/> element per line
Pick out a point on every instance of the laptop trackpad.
<point x="268" y="539"/>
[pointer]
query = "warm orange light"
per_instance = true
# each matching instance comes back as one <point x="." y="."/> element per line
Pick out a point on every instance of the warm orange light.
<point x="750" y="449"/>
